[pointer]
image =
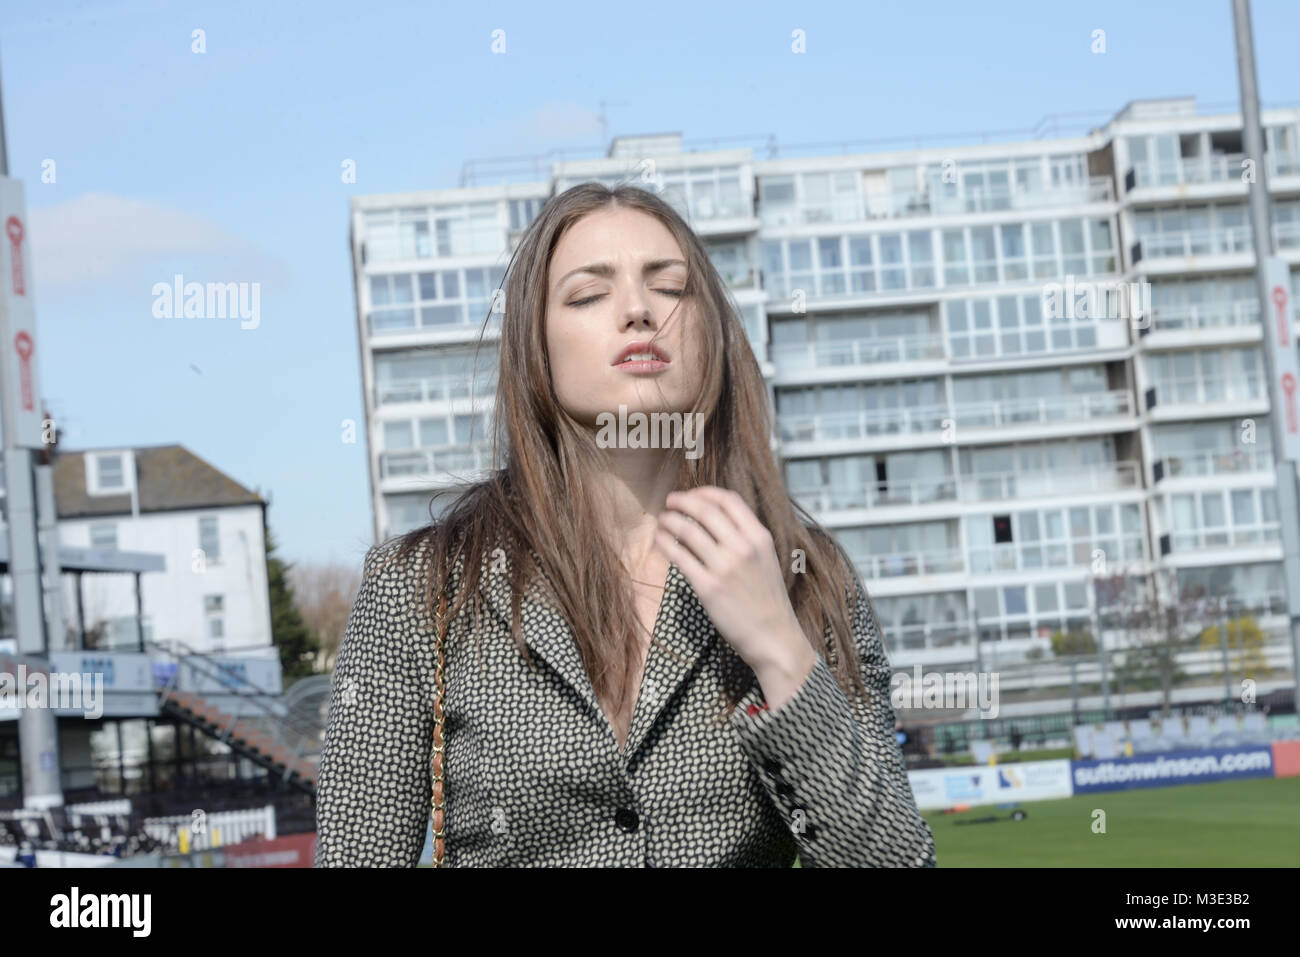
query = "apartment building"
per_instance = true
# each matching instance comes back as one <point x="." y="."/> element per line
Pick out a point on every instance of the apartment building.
<point x="985" y="458"/>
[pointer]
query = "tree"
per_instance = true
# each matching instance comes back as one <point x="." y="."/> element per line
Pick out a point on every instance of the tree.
<point x="325" y="593"/>
<point x="1154" y="626"/>
<point x="1246" y="637"/>
<point x="1065" y="643"/>
<point x="298" y="645"/>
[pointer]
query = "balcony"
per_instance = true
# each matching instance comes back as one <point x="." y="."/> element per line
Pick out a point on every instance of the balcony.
<point x="1026" y="556"/>
<point x="1232" y="239"/>
<point x="1199" y="464"/>
<point x="829" y="498"/>
<point x="1205" y="316"/>
<point x="1012" y="486"/>
<point x="1198" y="390"/>
<point x="434" y="318"/>
<point x="1287" y="235"/>
<point x="454" y="460"/>
<point x="1203" y="539"/>
<point x="1003" y="197"/>
<point x="812" y="427"/>
<point x="911" y="563"/>
<point x="1218" y="242"/>
<point x="435" y="389"/>
<point x="857" y="352"/>
<point x="1213" y="168"/>
<point x="1044" y="409"/>
<point x="738" y="276"/>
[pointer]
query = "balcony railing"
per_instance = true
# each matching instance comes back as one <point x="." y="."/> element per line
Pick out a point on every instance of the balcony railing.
<point x="911" y="563"/>
<point x="1231" y="239"/>
<point x="855" y="425"/>
<point x="1205" y="315"/>
<point x="435" y="461"/>
<point x="1216" y="463"/>
<point x="828" y="498"/>
<point x="435" y="389"/>
<point x="986" y="199"/>
<point x="1203" y="538"/>
<point x="434" y="316"/>
<point x="905" y="203"/>
<point x="1010" y="486"/>
<point x="738" y="277"/>
<point x="1214" y="168"/>
<point x="1287" y="235"/>
<point x="1055" y="408"/>
<point x="1197" y="389"/>
<point x="855" y="352"/>
<point x="1020" y="556"/>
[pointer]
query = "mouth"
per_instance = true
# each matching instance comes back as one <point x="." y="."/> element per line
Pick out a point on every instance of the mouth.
<point x="641" y="357"/>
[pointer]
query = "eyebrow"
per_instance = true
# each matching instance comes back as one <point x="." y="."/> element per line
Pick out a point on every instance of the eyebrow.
<point x="606" y="270"/>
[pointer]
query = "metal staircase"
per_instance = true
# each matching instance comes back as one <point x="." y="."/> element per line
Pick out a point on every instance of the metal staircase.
<point x="280" y="736"/>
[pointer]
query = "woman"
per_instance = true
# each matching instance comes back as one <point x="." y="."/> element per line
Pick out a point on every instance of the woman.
<point x="712" y="689"/>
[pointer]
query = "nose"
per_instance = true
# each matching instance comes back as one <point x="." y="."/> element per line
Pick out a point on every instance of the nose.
<point x="638" y="315"/>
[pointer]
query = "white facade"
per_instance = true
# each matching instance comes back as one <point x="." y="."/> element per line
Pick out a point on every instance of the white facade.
<point x="984" y="461"/>
<point x="213" y="596"/>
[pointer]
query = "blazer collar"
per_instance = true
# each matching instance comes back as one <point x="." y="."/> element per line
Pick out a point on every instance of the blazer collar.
<point x="682" y="633"/>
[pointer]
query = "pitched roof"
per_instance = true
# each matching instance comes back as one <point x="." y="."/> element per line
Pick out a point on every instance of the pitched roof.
<point x="168" y="476"/>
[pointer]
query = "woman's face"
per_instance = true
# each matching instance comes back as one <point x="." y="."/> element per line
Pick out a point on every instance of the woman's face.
<point x="615" y="279"/>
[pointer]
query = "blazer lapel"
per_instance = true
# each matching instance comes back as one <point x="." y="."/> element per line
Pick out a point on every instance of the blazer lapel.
<point x="682" y="633"/>
<point x="546" y="632"/>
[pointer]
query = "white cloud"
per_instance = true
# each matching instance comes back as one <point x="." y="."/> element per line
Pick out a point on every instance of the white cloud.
<point x="98" y="237"/>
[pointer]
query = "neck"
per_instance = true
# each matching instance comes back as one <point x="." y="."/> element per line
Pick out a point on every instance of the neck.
<point x="635" y="484"/>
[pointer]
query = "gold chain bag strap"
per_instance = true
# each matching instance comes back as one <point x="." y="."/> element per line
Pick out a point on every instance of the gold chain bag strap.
<point x="439" y="799"/>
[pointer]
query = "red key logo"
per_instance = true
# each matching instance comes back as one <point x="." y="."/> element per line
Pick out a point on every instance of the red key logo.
<point x="1283" y="320"/>
<point x="14" y="229"/>
<point x="24" y="345"/>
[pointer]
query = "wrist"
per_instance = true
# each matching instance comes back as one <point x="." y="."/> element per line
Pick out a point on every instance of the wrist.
<point x="789" y="662"/>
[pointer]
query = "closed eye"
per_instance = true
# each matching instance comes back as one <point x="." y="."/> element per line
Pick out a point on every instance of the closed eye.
<point x="675" y="293"/>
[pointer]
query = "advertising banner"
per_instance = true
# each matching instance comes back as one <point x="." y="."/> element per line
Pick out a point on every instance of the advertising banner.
<point x="1019" y="781"/>
<point x="1174" y="767"/>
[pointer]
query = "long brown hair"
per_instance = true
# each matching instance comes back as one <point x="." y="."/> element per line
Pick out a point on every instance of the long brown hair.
<point x="544" y="500"/>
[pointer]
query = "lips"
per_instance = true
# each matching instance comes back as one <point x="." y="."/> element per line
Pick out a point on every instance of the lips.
<point x="636" y="352"/>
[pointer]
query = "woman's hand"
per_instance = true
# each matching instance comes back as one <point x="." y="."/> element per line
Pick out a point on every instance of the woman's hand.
<point x="731" y="562"/>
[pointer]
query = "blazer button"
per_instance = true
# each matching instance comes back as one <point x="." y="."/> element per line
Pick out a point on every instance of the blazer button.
<point x="784" y="789"/>
<point x="772" y="767"/>
<point x="626" y="819"/>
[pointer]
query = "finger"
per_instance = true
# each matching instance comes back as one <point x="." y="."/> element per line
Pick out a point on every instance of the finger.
<point x="680" y="556"/>
<point x="736" y="509"/>
<point x="692" y="536"/>
<point x="705" y="511"/>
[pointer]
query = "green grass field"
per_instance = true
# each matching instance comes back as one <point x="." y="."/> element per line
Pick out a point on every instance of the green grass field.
<point x="1249" y="823"/>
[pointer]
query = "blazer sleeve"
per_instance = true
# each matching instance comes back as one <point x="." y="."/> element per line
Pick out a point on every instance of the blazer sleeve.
<point x="374" y="785"/>
<point x="833" y="766"/>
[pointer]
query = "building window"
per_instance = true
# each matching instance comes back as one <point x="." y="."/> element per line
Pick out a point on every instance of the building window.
<point x="209" y="541"/>
<point x="214" y="604"/>
<point x="104" y="535"/>
<point x="107" y="473"/>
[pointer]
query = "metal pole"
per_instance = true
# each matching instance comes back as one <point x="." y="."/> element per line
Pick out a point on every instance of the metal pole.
<point x="38" y="729"/>
<point x="1288" y="512"/>
<point x="1223" y="647"/>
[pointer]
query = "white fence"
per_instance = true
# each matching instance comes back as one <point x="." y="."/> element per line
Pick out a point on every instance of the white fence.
<point x="207" y="831"/>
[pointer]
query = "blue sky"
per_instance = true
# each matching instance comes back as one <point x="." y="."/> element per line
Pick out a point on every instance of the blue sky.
<point x="225" y="165"/>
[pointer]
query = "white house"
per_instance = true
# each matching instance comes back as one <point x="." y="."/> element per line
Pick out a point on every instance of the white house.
<point x="213" y="596"/>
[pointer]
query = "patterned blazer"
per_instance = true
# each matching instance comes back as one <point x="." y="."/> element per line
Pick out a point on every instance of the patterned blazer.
<point x="533" y="773"/>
